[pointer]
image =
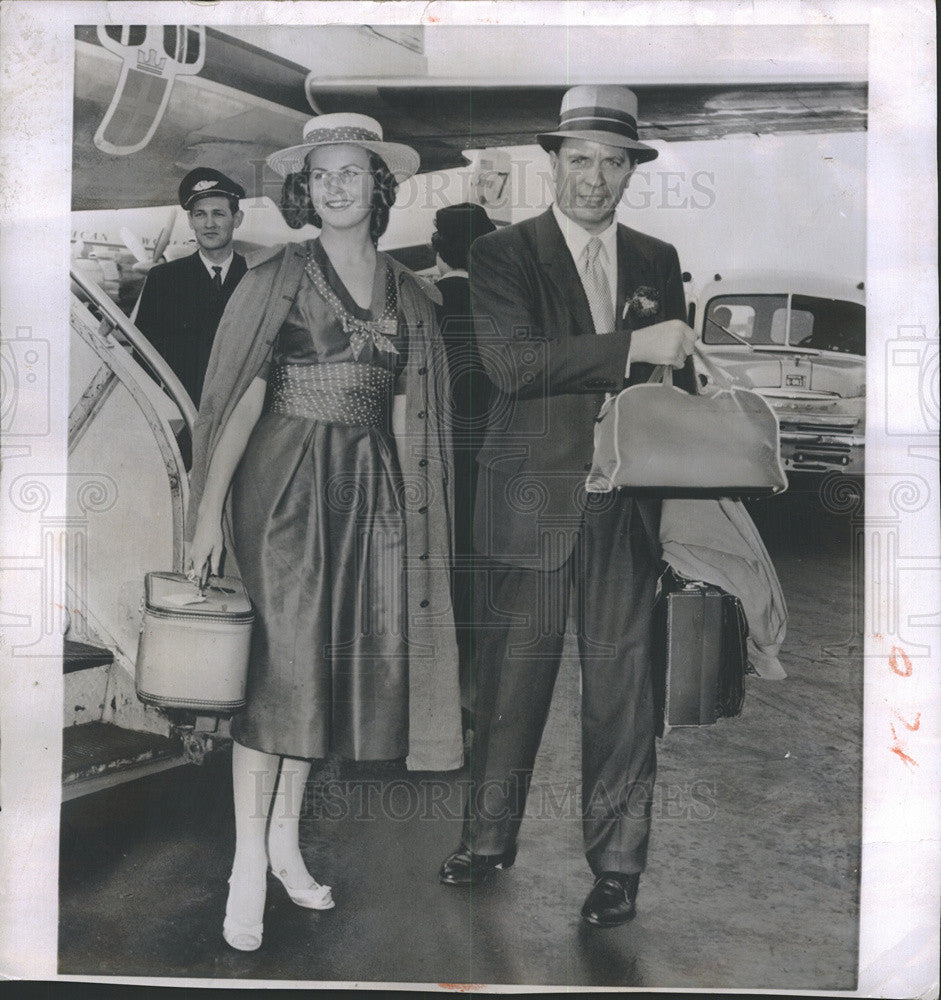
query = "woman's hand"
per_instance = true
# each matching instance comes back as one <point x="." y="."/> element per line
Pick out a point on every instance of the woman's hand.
<point x="207" y="544"/>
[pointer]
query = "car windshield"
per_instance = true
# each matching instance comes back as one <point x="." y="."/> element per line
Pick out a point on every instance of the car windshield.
<point x="816" y="323"/>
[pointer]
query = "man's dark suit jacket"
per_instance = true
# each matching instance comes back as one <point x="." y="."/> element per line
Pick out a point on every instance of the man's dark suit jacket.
<point x="537" y="342"/>
<point x="179" y="313"/>
<point x="470" y="397"/>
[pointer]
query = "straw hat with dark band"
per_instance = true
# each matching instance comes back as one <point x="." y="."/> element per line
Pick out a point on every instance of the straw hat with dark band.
<point x="357" y="130"/>
<point x="601" y="114"/>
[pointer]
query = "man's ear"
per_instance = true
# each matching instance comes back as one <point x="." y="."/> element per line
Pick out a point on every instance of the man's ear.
<point x="189" y="219"/>
<point x="237" y="219"/>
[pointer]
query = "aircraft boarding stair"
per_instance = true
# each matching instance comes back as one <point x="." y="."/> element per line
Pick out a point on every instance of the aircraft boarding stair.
<point x="127" y="494"/>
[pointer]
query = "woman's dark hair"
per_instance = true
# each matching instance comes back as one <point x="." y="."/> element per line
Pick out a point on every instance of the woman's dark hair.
<point x="297" y="209"/>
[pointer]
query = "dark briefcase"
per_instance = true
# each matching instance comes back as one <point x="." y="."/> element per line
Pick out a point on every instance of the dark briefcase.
<point x="701" y="656"/>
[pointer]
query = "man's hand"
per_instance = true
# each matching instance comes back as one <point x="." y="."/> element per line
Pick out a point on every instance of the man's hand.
<point x="668" y="343"/>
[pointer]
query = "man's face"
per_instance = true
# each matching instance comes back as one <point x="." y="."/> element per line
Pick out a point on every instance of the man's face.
<point x="590" y="178"/>
<point x="213" y="222"/>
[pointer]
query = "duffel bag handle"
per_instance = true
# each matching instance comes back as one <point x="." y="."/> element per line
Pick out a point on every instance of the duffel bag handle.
<point x="664" y="373"/>
<point x="716" y="375"/>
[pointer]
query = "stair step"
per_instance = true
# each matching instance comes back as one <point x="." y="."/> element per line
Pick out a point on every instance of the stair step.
<point x="98" y="755"/>
<point x="83" y="656"/>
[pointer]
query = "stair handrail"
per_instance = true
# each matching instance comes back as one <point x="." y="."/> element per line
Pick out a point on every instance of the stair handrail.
<point x="151" y="356"/>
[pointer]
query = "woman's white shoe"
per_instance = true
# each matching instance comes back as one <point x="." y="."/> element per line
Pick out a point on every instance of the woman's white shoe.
<point x="239" y="935"/>
<point x="313" y="897"/>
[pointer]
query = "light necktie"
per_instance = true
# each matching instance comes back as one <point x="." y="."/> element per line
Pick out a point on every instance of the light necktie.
<point x="597" y="288"/>
<point x="217" y="281"/>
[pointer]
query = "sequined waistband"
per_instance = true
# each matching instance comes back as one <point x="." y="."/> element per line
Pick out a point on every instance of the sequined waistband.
<point x="342" y="393"/>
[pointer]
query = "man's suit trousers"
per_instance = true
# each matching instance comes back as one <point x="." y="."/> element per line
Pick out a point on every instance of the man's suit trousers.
<point x="520" y="617"/>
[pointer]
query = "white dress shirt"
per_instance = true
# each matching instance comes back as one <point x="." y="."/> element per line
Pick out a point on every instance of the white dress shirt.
<point x="454" y="272"/>
<point x="225" y="265"/>
<point x="576" y="239"/>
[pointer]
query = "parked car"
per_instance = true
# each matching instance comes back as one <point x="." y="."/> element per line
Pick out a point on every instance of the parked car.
<point x="800" y="341"/>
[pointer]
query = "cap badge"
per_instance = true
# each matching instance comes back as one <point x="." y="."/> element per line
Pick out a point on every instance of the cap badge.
<point x="204" y="185"/>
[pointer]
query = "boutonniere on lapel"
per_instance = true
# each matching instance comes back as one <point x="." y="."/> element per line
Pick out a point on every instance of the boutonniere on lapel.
<point x="644" y="303"/>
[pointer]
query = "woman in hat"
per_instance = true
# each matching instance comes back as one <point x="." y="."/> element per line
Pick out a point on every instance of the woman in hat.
<point x="325" y="347"/>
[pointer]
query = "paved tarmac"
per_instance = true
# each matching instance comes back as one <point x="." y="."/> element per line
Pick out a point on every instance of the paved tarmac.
<point x="752" y="879"/>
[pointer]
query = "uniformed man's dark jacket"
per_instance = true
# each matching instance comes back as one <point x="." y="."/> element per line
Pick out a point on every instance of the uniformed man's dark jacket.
<point x="179" y="313"/>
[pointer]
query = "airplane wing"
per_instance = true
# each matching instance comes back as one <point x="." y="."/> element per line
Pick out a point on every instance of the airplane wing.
<point x="441" y="119"/>
<point x="213" y="97"/>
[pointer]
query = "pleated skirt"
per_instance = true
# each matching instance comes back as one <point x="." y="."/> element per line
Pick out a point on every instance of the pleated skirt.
<point x="320" y="543"/>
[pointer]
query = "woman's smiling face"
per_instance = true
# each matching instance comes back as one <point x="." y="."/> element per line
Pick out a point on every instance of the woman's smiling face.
<point x="341" y="185"/>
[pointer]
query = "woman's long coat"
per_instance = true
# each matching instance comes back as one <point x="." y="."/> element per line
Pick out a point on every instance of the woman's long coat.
<point x="248" y="329"/>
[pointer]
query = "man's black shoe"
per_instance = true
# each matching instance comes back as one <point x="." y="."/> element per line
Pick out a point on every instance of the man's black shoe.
<point x="463" y="867"/>
<point x="612" y="900"/>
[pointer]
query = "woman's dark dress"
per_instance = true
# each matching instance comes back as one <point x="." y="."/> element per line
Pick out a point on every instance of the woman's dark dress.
<point x="320" y="541"/>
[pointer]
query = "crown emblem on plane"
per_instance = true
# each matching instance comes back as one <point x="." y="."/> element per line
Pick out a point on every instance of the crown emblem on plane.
<point x="150" y="63"/>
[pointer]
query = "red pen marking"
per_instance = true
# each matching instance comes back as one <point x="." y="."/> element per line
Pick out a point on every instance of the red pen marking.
<point x="897" y="749"/>
<point x="900" y="664"/>
<point x="905" y="668"/>
<point x="910" y="726"/>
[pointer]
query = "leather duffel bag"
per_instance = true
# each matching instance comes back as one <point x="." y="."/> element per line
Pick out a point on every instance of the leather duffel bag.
<point x="657" y="439"/>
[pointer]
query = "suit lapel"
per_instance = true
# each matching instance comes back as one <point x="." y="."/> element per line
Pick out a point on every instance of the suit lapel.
<point x="557" y="263"/>
<point x="623" y="291"/>
<point x="629" y="274"/>
<point x="199" y="276"/>
<point x="634" y="270"/>
<point x="236" y="272"/>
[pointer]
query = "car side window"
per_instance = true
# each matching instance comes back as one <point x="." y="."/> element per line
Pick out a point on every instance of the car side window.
<point x="740" y="315"/>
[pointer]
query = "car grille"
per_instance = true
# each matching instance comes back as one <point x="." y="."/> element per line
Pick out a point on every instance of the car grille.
<point x="817" y="424"/>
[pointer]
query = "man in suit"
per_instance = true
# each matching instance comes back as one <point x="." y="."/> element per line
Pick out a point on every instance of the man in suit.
<point x="456" y="228"/>
<point x="183" y="300"/>
<point x="569" y="304"/>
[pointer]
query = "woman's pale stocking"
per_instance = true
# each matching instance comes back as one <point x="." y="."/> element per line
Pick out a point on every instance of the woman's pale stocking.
<point x="284" y="833"/>
<point x="253" y="781"/>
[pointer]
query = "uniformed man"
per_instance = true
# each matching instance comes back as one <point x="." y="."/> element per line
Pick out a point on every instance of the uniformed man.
<point x="183" y="300"/>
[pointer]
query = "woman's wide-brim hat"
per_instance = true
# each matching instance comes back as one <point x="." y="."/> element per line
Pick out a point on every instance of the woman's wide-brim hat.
<point x="357" y="130"/>
<point x="601" y="114"/>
